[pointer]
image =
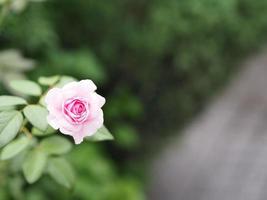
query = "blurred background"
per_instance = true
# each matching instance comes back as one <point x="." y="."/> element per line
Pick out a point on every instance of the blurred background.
<point x="156" y="62"/>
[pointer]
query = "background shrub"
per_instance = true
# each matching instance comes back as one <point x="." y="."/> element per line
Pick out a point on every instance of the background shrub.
<point x="157" y="62"/>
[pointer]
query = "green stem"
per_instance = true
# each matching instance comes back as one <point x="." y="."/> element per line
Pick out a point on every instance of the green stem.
<point x="26" y="132"/>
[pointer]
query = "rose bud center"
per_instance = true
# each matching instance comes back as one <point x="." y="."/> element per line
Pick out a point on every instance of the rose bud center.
<point x="76" y="110"/>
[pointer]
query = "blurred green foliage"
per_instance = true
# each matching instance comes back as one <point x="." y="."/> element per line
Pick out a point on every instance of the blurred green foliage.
<point x="156" y="62"/>
<point x="97" y="179"/>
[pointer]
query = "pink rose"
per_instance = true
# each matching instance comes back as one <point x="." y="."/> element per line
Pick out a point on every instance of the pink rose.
<point x="75" y="109"/>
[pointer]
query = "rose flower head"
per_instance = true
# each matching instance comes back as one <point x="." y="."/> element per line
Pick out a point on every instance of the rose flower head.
<point x="75" y="109"/>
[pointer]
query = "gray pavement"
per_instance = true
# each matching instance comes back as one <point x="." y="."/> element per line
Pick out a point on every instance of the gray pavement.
<point x="223" y="154"/>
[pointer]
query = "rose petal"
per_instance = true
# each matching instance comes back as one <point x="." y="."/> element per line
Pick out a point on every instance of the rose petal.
<point x="91" y="127"/>
<point x="54" y="98"/>
<point x="52" y="121"/>
<point x="75" y="109"/>
<point x="101" y="100"/>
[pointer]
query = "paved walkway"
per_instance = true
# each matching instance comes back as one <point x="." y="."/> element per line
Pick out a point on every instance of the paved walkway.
<point x="223" y="155"/>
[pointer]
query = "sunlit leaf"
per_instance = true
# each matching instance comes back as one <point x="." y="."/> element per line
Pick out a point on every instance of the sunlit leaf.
<point x="3" y="1"/>
<point x="6" y="101"/>
<point x="36" y="115"/>
<point x="6" y="108"/>
<point x="13" y="60"/>
<point x="10" y="123"/>
<point x="14" y="148"/>
<point x="26" y="87"/>
<point x="49" y="81"/>
<point x="18" y="5"/>
<point x="64" y="80"/>
<point x="34" y="165"/>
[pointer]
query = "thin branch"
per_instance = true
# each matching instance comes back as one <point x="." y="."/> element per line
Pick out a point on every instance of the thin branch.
<point x="26" y="132"/>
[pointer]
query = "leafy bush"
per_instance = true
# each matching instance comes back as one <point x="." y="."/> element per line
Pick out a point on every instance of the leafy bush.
<point x="157" y="61"/>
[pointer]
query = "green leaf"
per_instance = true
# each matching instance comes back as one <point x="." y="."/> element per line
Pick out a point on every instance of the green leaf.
<point x="34" y="165"/>
<point x="15" y="147"/>
<point x="7" y="108"/>
<point x="15" y="184"/>
<point x="6" y="101"/>
<point x="10" y="123"/>
<point x="26" y="87"/>
<point x="12" y="59"/>
<point x="37" y="115"/>
<point x="3" y="1"/>
<point x="48" y="131"/>
<point x="17" y="161"/>
<point x="61" y="171"/>
<point x="55" y="145"/>
<point x="126" y="136"/>
<point x="42" y="101"/>
<point x="101" y="135"/>
<point x="64" y="80"/>
<point x="48" y="81"/>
